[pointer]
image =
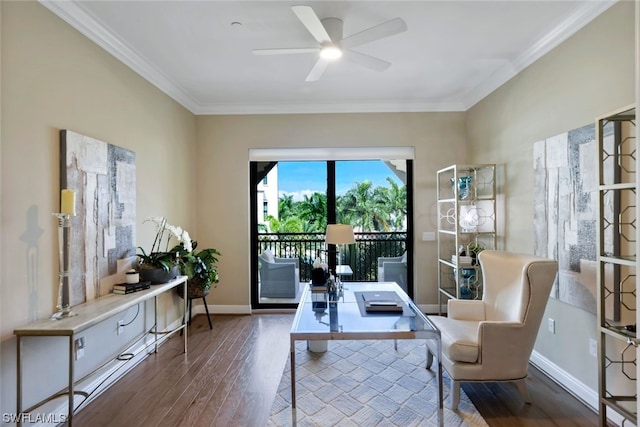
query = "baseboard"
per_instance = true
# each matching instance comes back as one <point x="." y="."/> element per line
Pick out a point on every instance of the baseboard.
<point x="572" y="385"/>
<point x="245" y="309"/>
<point x="104" y="378"/>
<point x="221" y="309"/>
<point x="431" y="308"/>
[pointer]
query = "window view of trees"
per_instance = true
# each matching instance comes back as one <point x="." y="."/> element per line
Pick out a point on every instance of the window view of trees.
<point x="365" y="206"/>
<point x="370" y="195"/>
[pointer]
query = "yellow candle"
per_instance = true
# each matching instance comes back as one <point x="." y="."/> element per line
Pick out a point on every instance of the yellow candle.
<point x="68" y="202"/>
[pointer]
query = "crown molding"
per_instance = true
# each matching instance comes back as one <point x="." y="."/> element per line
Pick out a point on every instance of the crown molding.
<point x="583" y="15"/>
<point x="72" y="13"/>
<point x="398" y="106"/>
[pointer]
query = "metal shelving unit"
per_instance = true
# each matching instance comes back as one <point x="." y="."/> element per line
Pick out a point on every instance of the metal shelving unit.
<point x="616" y="276"/>
<point x="466" y="219"/>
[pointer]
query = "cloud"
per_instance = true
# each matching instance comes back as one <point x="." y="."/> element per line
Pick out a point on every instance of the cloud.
<point x="297" y="195"/>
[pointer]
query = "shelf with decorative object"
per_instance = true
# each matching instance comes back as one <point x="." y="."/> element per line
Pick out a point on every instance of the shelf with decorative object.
<point x="466" y="197"/>
<point x="616" y="274"/>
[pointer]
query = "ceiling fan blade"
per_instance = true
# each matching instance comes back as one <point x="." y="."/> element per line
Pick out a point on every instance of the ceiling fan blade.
<point x="310" y="20"/>
<point x="286" y="51"/>
<point x="317" y="71"/>
<point x="386" y="29"/>
<point x="366" y="60"/>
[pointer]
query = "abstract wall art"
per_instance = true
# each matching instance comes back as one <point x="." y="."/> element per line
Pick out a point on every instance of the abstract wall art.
<point x="565" y="209"/>
<point x="103" y="230"/>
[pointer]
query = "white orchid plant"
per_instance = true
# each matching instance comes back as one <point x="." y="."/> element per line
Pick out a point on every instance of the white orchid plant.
<point x="199" y="265"/>
<point x="157" y="257"/>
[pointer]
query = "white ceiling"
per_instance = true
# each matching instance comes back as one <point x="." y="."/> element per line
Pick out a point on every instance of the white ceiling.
<point x="453" y="54"/>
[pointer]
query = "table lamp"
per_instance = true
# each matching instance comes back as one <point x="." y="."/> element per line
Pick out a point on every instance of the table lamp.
<point x="339" y="234"/>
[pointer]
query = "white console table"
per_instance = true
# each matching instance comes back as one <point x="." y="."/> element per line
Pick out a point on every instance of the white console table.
<point x="88" y="315"/>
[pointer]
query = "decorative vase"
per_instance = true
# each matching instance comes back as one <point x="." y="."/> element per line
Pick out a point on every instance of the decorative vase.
<point x="464" y="183"/>
<point x="465" y="292"/>
<point x="468" y="276"/>
<point x="158" y="275"/>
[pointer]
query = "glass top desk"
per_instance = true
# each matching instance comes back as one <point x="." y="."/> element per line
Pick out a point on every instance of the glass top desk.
<point x="342" y="316"/>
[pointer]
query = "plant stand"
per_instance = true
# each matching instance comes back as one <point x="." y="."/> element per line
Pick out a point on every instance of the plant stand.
<point x="204" y="300"/>
<point x="194" y="291"/>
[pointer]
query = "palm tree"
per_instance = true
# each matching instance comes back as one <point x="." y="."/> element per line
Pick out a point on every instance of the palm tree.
<point x="395" y="204"/>
<point x="285" y="225"/>
<point x="363" y="208"/>
<point x="286" y="206"/>
<point x="313" y="210"/>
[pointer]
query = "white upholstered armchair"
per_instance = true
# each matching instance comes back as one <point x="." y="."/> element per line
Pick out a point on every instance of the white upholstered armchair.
<point x="279" y="277"/>
<point x="492" y="339"/>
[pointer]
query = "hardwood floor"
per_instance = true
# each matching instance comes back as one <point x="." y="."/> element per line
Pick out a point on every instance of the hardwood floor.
<point x="230" y="375"/>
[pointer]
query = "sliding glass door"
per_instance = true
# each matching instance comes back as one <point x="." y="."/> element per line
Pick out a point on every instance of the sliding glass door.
<point x="293" y="201"/>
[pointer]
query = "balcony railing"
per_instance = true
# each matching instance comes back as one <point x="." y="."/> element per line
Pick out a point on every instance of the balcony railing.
<point x="362" y="256"/>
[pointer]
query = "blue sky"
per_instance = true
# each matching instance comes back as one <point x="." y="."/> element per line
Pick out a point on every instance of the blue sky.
<point x="300" y="178"/>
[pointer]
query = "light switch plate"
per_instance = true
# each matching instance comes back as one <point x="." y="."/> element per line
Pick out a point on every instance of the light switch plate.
<point x="428" y="236"/>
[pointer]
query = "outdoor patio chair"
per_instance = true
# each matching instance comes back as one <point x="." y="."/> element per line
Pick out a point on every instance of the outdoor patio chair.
<point x="279" y="277"/>
<point x="393" y="269"/>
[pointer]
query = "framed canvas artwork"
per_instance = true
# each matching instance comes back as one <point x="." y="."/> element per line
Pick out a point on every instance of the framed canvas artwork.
<point x="103" y="230"/>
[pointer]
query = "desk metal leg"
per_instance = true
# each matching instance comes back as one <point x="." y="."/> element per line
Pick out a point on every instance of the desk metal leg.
<point x="292" y="346"/>
<point x="440" y="397"/>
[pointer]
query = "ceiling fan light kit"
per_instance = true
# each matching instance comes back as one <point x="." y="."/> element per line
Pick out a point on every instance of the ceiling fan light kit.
<point x="331" y="52"/>
<point x="328" y="33"/>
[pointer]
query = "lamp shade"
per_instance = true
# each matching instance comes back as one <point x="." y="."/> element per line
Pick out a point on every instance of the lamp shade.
<point x="340" y="234"/>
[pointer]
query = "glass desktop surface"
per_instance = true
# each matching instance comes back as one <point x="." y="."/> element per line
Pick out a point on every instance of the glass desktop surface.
<point x="345" y="317"/>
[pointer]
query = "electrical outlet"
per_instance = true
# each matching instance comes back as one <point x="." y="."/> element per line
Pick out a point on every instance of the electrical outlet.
<point x="79" y="347"/>
<point x="552" y="326"/>
<point x="120" y="327"/>
<point x="593" y="347"/>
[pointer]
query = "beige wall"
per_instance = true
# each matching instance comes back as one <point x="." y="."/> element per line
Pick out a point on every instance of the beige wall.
<point x="590" y="74"/>
<point x="54" y="78"/>
<point x="223" y="174"/>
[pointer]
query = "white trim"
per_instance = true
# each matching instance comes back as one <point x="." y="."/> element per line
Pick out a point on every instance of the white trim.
<point x="571" y="384"/>
<point x="388" y="106"/>
<point x="431" y="309"/>
<point x="354" y="153"/>
<point x="245" y="309"/>
<point x="75" y="15"/>
<point x="104" y="378"/>
<point x="220" y="309"/>
<point x="586" y="13"/>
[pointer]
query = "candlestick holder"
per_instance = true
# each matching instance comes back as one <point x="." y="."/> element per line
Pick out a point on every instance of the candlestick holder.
<point x="64" y="249"/>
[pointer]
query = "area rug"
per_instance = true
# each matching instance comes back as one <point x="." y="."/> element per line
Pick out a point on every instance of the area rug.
<point x="366" y="383"/>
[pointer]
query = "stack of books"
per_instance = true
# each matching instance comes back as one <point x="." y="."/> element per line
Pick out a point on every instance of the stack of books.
<point x="464" y="260"/>
<point x="129" y="288"/>
<point x="385" y="301"/>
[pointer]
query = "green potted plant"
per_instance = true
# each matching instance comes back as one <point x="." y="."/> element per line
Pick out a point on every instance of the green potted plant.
<point x="199" y="266"/>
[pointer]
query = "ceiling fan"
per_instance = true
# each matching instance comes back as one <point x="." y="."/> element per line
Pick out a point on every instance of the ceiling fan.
<point x="328" y="33"/>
